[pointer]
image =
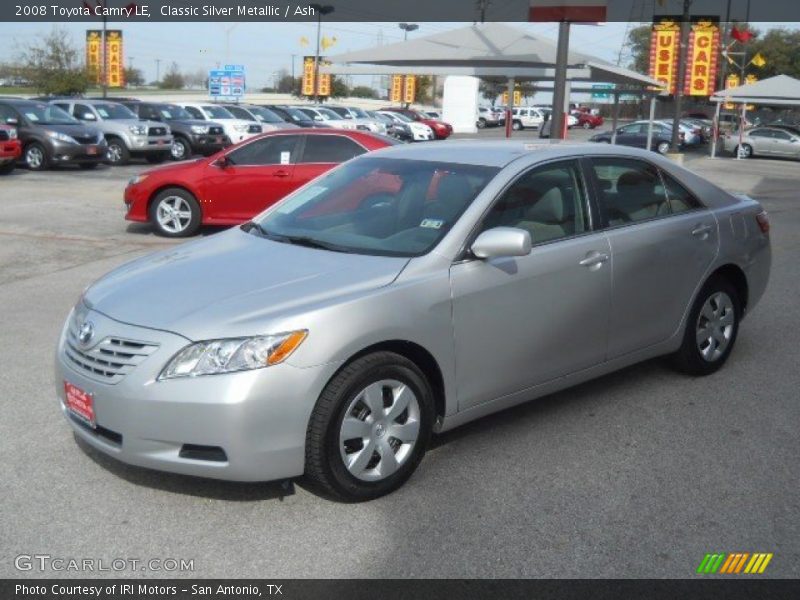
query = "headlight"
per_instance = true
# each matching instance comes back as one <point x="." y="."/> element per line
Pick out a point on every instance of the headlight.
<point x="241" y="127"/>
<point x="233" y="354"/>
<point x="137" y="179"/>
<point x="61" y="137"/>
<point x="138" y="129"/>
<point x="199" y="129"/>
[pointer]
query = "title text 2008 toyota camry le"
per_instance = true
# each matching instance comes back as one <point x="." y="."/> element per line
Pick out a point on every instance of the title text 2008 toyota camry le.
<point x="404" y="293"/>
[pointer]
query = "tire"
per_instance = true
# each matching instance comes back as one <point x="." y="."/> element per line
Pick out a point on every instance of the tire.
<point x="181" y="149"/>
<point x="157" y="158"/>
<point x="516" y="125"/>
<point x="6" y="168"/>
<point x="711" y="329"/>
<point x="663" y="147"/>
<point x="481" y="123"/>
<point x="118" y="154"/>
<point x="746" y="151"/>
<point x="36" y="157"/>
<point x="163" y="214"/>
<point x="391" y="378"/>
<point x="587" y="125"/>
<point x="88" y="166"/>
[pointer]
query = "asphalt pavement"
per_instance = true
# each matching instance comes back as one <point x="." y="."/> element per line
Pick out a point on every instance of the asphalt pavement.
<point x="637" y="474"/>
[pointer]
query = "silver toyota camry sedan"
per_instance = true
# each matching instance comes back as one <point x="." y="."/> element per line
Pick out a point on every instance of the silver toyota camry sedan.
<point x="402" y="294"/>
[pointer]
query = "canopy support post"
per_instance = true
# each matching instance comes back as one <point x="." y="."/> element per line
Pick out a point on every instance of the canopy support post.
<point x="715" y="131"/>
<point x="559" y="119"/>
<point x="615" y="118"/>
<point x="650" y="121"/>
<point x="509" y="105"/>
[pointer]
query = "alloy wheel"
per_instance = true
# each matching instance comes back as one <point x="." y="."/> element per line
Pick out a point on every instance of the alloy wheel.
<point x="174" y="214"/>
<point x="379" y="430"/>
<point x="34" y="157"/>
<point x="178" y="150"/>
<point x="715" y="326"/>
<point x="114" y="153"/>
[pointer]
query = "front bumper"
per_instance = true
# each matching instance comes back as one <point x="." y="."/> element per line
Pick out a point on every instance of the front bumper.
<point x="64" y="153"/>
<point x="257" y="418"/>
<point x="143" y="144"/>
<point x="209" y="144"/>
<point x="10" y="150"/>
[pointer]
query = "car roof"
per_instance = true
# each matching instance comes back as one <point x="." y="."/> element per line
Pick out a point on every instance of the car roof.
<point x="501" y="153"/>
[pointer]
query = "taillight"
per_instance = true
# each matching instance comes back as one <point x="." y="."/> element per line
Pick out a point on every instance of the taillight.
<point x="763" y="222"/>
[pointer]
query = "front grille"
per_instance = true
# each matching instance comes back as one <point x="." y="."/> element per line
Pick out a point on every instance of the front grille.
<point x="86" y="139"/>
<point x="4" y="137"/>
<point x="254" y="129"/>
<point x="215" y="130"/>
<point x="109" y="360"/>
<point x="157" y="131"/>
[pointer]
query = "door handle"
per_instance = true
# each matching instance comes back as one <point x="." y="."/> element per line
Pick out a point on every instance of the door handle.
<point x="594" y="259"/>
<point x="701" y="231"/>
<point x="280" y="173"/>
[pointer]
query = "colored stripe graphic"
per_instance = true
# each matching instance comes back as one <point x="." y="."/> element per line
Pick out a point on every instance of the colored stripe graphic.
<point x="734" y="563"/>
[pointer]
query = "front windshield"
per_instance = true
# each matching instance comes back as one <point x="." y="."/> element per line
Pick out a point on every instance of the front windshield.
<point x="378" y="206"/>
<point x="360" y="114"/>
<point x="47" y="114"/>
<point x="328" y="114"/>
<point x="402" y="118"/>
<point x="264" y="115"/>
<point x="170" y="112"/>
<point x="296" y="114"/>
<point x="217" y="112"/>
<point x="114" y="111"/>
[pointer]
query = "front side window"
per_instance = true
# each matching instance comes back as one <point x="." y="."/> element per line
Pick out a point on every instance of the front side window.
<point x="549" y="202"/>
<point x="379" y="206"/>
<point x="630" y="190"/>
<point x="330" y="149"/>
<point x="273" y="150"/>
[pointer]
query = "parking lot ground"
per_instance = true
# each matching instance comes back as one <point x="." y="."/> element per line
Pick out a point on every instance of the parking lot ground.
<point x="637" y="474"/>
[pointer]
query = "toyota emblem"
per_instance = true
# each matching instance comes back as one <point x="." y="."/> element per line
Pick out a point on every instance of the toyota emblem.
<point x="86" y="332"/>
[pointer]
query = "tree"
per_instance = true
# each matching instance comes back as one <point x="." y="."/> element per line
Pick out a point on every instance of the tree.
<point x="172" y="80"/>
<point x="339" y="88"/>
<point x="196" y="79"/>
<point x="779" y="49"/>
<point x="363" y="91"/>
<point x="134" y="77"/>
<point x="53" y="65"/>
<point x="490" y="89"/>
<point x="638" y="46"/>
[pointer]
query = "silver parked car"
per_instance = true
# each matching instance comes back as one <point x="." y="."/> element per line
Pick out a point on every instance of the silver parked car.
<point x="404" y="293"/>
<point x="764" y="141"/>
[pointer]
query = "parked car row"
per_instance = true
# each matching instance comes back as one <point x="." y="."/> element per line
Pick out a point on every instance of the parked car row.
<point x="90" y="131"/>
<point x="635" y="134"/>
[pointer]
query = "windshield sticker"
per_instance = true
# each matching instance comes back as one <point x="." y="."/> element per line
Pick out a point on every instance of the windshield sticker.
<point x="32" y="116"/>
<point x="432" y="223"/>
<point x="286" y="157"/>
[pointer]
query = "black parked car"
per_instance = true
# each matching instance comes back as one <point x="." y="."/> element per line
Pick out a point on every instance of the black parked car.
<point x="635" y="134"/>
<point x="50" y="136"/>
<point x="191" y="136"/>
<point x="294" y="116"/>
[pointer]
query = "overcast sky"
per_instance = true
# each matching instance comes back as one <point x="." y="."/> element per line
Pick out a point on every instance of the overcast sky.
<point x="264" y="48"/>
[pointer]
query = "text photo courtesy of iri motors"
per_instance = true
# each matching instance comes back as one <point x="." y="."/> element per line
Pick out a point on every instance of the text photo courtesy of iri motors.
<point x="462" y="298"/>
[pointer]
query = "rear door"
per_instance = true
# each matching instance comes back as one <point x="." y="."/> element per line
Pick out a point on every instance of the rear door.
<point x="662" y="242"/>
<point x="258" y="174"/>
<point x="322" y="152"/>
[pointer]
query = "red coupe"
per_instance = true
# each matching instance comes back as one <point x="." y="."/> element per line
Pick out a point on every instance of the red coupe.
<point x="441" y="130"/>
<point x="237" y="183"/>
<point x="10" y="149"/>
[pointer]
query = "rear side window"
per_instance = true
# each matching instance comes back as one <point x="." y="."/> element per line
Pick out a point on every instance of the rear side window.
<point x="630" y="190"/>
<point x="680" y="199"/>
<point x="196" y="113"/>
<point x="330" y="149"/>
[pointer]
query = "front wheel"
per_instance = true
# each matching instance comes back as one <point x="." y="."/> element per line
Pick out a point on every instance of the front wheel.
<point x="180" y="149"/>
<point x="118" y="153"/>
<point x="516" y="125"/>
<point x="663" y="147"/>
<point x="369" y="429"/>
<point x="745" y="151"/>
<point x="481" y="123"/>
<point x="587" y="125"/>
<point x="711" y="329"/>
<point x="175" y="213"/>
<point x="36" y="157"/>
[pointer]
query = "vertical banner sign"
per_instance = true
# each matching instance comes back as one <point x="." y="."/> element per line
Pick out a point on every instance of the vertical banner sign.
<point x="308" y="76"/>
<point x="396" y="91"/>
<point x="732" y="81"/>
<point x="115" y="72"/>
<point x="517" y="99"/>
<point x="324" y="79"/>
<point x="701" y="66"/>
<point x="410" y="89"/>
<point x="93" y="37"/>
<point x="664" y="54"/>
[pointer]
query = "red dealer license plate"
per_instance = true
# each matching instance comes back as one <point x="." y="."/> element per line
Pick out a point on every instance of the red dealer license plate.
<point x="80" y="403"/>
<point x="91" y="150"/>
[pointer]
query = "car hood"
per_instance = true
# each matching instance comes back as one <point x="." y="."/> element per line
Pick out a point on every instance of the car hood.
<point x="74" y="129"/>
<point x="232" y="284"/>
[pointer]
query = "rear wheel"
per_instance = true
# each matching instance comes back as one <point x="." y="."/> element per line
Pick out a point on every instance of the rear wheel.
<point x="745" y="151"/>
<point x="118" y="154"/>
<point x="516" y="125"/>
<point x="481" y="123"/>
<point x="587" y="125"/>
<point x="663" y="147"/>
<point x="711" y="329"/>
<point x="36" y="157"/>
<point x="175" y="213"/>
<point x="369" y="429"/>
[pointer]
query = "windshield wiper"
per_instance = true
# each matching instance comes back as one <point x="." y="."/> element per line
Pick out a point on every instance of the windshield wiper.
<point x="301" y="240"/>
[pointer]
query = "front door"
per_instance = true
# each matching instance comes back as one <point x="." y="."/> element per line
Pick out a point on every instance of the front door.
<point x="256" y="175"/>
<point x="662" y="243"/>
<point x="522" y="321"/>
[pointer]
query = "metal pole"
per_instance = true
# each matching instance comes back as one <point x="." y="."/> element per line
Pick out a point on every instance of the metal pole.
<point x="104" y="68"/>
<point x="509" y="106"/>
<point x="676" y="119"/>
<point x="615" y="118"/>
<point x="316" y="59"/>
<point x="725" y="41"/>
<point x="560" y="83"/>
<point x="715" y="135"/>
<point x="158" y="71"/>
<point x="650" y="122"/>
<point x="741" y="130"/>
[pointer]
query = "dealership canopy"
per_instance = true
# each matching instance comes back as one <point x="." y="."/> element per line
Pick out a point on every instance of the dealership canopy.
<point x="780" y="90"/>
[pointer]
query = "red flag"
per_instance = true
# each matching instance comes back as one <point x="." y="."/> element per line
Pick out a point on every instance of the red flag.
<point x="741" y="35"/>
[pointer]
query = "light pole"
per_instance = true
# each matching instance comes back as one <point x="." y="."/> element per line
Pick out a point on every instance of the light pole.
<point x="158" y="71"/>
<point x="682" y="49"/>
<point x="406" y="27"/>
<point x="320" y="10"/>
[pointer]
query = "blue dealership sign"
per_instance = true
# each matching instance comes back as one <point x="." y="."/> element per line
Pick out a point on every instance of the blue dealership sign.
<point x="227" y="84"/>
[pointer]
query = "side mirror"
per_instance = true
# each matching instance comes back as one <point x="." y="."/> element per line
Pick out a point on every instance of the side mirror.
<point x="502" y="241"/>
<point x="223" y="162"/>
<point x="87" y="116"/>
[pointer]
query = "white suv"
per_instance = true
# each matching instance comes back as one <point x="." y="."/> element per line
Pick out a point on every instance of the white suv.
<point x="237" y="130"/>
<point x="526" y="116"/>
